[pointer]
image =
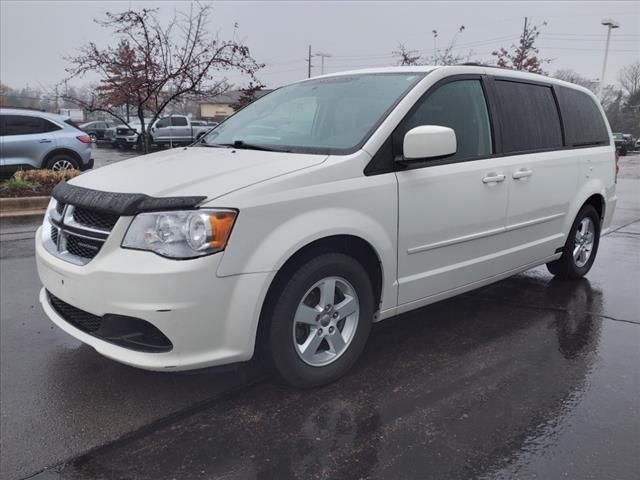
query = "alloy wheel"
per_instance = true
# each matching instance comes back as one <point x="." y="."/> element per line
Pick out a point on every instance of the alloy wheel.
<point x="583" y="242"/>
<point x="326" y="321"/>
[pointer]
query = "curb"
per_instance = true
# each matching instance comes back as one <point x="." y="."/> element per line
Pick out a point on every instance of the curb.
<point x="23" y="208"/>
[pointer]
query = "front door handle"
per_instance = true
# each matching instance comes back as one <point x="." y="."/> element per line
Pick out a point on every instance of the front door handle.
<point x="522" y="173"/>
<point x="494" y="178"/>
<point x="45" y="140"/>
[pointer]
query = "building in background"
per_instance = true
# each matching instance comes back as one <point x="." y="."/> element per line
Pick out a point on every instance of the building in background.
<point x="221" y="106"/>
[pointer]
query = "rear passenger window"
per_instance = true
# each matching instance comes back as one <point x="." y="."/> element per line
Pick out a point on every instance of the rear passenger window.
<point x="528" y="117"/>
<point x="459" y="105"/>
<point x="583" y="122"/>
<point x="25" y="125"/>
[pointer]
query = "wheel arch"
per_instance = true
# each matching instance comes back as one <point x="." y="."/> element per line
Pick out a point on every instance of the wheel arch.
<point x="592" y="193"/>
<point x="598" y="202"/>
<point x="61" y="151"/>
<point x="352" y="245"/>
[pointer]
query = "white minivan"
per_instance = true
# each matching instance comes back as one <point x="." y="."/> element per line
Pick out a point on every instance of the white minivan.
<point x="322" y="207"/>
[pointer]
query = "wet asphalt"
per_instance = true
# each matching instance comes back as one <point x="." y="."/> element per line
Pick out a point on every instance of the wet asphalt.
<point x="526" y="378"/>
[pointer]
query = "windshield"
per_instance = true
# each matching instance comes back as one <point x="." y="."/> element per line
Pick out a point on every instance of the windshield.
<point x="327" y="115"/>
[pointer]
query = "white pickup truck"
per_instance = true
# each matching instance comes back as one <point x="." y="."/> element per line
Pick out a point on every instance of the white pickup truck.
<point x="178" y="129"/>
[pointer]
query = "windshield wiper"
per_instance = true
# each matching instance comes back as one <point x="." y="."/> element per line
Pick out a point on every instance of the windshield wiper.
<point x="241" y="144"/>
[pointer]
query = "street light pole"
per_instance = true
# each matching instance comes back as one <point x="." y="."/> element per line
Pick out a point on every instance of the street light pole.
<point x="322" y="56"/>
<point x="610" y="24"/>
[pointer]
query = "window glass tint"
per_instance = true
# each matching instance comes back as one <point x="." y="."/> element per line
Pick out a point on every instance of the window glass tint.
<point x="528" y="116"/>
<point x="178" y="121"/>
<point x="23" y="125"/>
<point x="52" y="127"/>
<point x="583" y="122"/>
<point x="163" y="122"/>
<point x="461" y="106"/>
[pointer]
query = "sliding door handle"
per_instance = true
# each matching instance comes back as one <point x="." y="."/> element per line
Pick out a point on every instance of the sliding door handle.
<point x="522" y="173"/>
<point x="494" y="178"/>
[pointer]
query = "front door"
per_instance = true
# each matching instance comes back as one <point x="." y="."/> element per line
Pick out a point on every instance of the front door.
<point x="162" y="130"/>
<point x="452" y="211"/>
<point x="180" y="130"/>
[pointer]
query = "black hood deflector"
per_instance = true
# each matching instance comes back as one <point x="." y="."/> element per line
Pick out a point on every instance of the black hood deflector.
<point x="123" y="204"/>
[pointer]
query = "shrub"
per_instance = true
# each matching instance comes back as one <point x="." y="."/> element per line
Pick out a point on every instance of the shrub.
<point x="15" y="183"/>
<point x="44" y="178"/>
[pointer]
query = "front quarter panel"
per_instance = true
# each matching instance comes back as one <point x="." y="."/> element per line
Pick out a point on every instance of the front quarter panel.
<point x="279" y="217"/>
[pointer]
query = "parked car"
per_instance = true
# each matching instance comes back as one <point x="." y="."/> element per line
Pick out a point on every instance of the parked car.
<point x="34" y="139"/>
<point x="123" y="136"/>
<point x="624" y="142"/>
<point x="322" y="207"/>
<point x="177" y="130"/>
<point x="127" y="136"/>
<point x="638" y="144"/>
<point x="631" y="141"/>
<point x="96" y="130"/>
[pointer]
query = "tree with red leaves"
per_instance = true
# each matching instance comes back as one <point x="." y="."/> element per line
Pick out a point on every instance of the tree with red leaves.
<point x="155" y="64"/>
<point x="523" y="56"/>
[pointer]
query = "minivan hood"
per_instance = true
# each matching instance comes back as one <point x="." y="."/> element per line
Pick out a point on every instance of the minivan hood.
<point x="194" y="171"/>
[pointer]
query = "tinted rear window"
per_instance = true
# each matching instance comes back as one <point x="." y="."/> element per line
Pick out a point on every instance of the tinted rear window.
<point x="528" y="117"/>
<point x="25" y="125"/>
<point x="583" y="122"/>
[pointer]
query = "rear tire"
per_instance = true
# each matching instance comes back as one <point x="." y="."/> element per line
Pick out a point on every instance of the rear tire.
<point x="580" y="248"/>
<point x="313" y="344"/>
<point x="62" y="162"/>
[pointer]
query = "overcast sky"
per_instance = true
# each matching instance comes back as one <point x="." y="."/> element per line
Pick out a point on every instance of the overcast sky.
<point x="36" y="35"/>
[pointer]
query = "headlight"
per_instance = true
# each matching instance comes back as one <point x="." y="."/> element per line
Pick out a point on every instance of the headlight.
<point x="187" y="234"/>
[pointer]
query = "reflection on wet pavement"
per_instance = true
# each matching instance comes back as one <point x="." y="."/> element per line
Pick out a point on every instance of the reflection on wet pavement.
<point x="526" y="378"/>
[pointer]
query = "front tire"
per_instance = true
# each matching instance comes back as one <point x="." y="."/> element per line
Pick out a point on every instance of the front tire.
<point x="580" y="248"/>
<point x="321" y="321"/>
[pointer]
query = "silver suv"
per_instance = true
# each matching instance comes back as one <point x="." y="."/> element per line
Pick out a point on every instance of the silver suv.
<point x="32" y="139"/>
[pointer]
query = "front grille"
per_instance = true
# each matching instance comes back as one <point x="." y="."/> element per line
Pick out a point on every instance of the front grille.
<point x="77" y="233"/>
<point x="95" y="218"/>
<point x="125" y="131"/>
<point x="78" y="318"/>
<point x="54" y="235"/>
<point x="128" y="332"/>
<point x="82" y="247"/>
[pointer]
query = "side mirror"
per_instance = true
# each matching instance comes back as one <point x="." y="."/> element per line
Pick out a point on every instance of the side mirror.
<point x="429" y="141"/>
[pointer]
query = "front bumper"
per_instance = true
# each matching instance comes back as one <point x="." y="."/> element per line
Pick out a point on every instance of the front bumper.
<point x="131" y="140"/>
<point x="209" y="320"/>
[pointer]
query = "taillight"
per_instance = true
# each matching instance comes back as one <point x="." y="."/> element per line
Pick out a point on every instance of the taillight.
<point x="84" y="138"/>
<point x="617" y="154"/>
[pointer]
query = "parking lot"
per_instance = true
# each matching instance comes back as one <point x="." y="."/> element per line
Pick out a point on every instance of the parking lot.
<point x="526" y="378"/>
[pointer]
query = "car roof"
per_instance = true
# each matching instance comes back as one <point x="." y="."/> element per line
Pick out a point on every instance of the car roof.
<point x="33" y="113"/>
<point x="460" y="70"/>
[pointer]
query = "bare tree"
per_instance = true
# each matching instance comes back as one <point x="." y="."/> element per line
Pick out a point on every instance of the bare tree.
<point x="569" y="75"/>
<point x="629" y="78"/>
<point x="248" y="95"/>
<point x="523" y="56"/>
<point x="155" y="64"/>
<point x="407" y="57"/>
<point x="438" y="57"/>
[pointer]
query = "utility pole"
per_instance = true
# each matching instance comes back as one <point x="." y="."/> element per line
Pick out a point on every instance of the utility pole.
<point x="309" y="62"/>
<point x="610" y="24"/>
<point x="322" y="56"/>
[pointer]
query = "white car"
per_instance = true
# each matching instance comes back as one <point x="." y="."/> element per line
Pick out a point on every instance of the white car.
<point x="322" y="207"/>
